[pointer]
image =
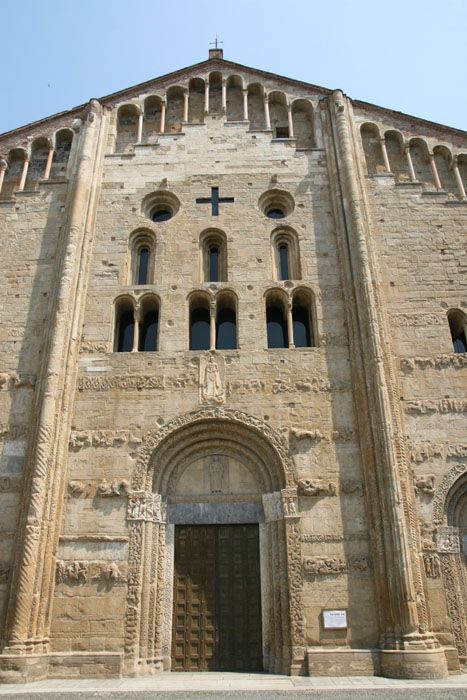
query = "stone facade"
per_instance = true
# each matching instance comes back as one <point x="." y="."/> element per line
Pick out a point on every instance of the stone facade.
<point x="348" y="449"/>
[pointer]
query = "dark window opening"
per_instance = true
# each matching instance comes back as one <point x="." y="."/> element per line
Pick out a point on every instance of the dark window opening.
<point x="214" y="264"/>
<point x="301" y="327"/>
<point x="276" y="327"/>
<point x="226" y="330"/>
<point x="143" y="266"/>
<point x="284" y="271"/>
<point x="456" y="326"/>
<point x="200" y="329"/>
<point x="148" y="332"/>
<point x="125" y="331"/>
<point x="275" y="214"/>
<point x="282" y="132"/>
<point x="161" y="215"/>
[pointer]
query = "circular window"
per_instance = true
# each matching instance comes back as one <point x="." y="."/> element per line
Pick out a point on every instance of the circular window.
<point x="160" y="206"/>
<point x="276" y="204"/>
<point x="161" y="215"/>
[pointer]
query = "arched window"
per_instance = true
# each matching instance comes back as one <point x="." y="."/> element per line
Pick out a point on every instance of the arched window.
<point x="175" y="102"/>
<point x="152" y="118"/>
<point x="124" y="326"/>
<point x="234" y="98"/>
<point x="443" y="160"/>
<point x="256" y="106"/>
<point x="371" y="142"/>
<point x="63" y="143"/>
<point x="148" y="326"/>
<point x="458" y="326"/>
<point x="421" y="163"/>
<point x="127" y="128"/>
<point x="276" y="322"/>
<point x="196" y="90"/>
<point x="215" y="93"/>
<point x="37" y="165"/>
<point x="200" y="323"/>
<point x="142" y="252"/>
<point x="302" y="319"/>
<point x="395" y="148"/>
<point x="226" y="322"/>
<point x="286" y="257"/>
<point x="303" y="124"/>
<point x="213" y="256"/>
<point x="278" y="115"/>
<point x="16" y="160"/>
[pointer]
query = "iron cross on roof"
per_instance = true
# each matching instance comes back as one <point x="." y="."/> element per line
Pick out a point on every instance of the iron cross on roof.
<point x="214" y="200"/>
<point x="215" y="43"/>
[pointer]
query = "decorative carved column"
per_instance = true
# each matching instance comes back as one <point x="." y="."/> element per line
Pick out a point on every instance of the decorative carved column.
<point x="267" y="117"/>
<point x="3" y="167"/>
<point x="24" y="174"/>
<point x="48" y="165"/>
<point x="434" y="170"/>
<point x="245" y="104"/>
<point x="384" y="151"/>
<point x="28" y="615"/>
<point x="409" y="648"/>
<point x="457" y="175"/>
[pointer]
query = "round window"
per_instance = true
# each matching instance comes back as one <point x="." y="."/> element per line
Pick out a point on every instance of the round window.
<point x="160" y="206"/>
<point x="276" y="204"/>
<point x="161" y="215"/>
<point x="275" y="214"/>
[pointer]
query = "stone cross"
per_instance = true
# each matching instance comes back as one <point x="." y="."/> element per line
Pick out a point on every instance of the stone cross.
<point x="214" y="200"/>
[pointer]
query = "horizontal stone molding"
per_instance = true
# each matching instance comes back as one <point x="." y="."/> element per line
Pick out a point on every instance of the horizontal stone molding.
<point x="352" y="537"/>
<point x="334" y="565"/>
<point x="417" y="320"/>
<point x="138" y="382"/>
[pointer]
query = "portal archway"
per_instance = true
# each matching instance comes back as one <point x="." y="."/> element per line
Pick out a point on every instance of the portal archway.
<point x="213" y="467"/>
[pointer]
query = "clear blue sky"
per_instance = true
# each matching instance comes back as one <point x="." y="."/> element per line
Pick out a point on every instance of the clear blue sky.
<point x="406" y="55"/>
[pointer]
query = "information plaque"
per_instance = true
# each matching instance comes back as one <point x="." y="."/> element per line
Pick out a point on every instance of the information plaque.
<point x="335" y="619"/>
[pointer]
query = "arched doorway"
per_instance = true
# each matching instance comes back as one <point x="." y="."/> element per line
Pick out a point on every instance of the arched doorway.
<point x="218" y="482"/>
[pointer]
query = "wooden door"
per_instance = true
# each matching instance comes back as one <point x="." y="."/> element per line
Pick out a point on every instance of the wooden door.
<point x="217" y="602"/>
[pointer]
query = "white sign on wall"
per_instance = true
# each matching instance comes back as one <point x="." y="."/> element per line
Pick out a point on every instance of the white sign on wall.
<point x="335" y="619"/>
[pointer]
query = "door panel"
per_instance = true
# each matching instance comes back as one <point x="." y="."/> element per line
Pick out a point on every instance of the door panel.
<point x="217" y="602"/>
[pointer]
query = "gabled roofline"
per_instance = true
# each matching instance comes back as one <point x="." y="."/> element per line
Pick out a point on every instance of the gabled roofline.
<point x="237" y="66"/>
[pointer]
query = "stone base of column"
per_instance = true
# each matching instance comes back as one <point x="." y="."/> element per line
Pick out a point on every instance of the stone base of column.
<point x="36" y="667"/>
<point x="414" y="664"/>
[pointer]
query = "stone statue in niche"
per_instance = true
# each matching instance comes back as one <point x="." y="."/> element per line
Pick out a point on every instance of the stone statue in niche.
<point x="216" y="474"/>
<point x="211" y="380"/>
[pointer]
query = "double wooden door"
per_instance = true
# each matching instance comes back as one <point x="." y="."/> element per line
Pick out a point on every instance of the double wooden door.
<point x="217" y="600"/>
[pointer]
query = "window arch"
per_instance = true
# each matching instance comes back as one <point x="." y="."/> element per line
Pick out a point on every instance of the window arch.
<point x="142" y="252"/>
<point x="286" y="257"/>
<point x="152" y="118"/>
<point x="200" y="322"/>
<point x="256" y="106"/>
<point x="302" y="318"/>
<point x="303" y="124"/>
<point x="37" y="165"/>
<point x="226" y="321"/>
<point x="124" y="325"/>
<point x="276" y="320"/>
<point x="63" y="144"/>
<point x="278" y="115"/>
<point x="196" y="98"/>
<point x="371" y="142"/>
<point x="215" y="92"/>
<point x="443" y="160"/>
<point x="175" y="106"/>
<point x="234" y="98"/>
<point x="17" y="158"/>
<point x="127" y="128"/>
<point x="458" y="327"/>
<point x="148" y="326"/>
<point x="213" y="248"/>
<point x="395" y="148"/>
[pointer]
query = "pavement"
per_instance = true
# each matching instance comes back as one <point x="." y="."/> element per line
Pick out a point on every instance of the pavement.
<point x="258" y="686"/>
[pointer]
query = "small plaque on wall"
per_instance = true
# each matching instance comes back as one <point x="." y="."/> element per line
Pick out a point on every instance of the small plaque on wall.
<point x="335" y="619"/>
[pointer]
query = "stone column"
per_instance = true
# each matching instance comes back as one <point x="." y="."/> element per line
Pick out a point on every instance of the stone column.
<point x="212" y="317"/>
<point x="413" y="177"/>
<point x="434" y="171"/>
<point x="136" y="322"/>
<point x="163" y="111"/>
<point x="24" y="174"/>
<point x="384" y="151"/>
<point x="290" y="121"/>
<point x="33" y="572"/>
<point x="224" y="95"/>
<point x="245" y="105"/>
<point x="48" y="165"/>
<point x="139" y="136"/>
<point x="457" y="175"/>
<point x="206" y="97"/>
<point x="267" y="118"/>
<point x="185" y="105"/>
<point x="3" y="167"/>
<point x="408" y="648"/>
<point x="290" y="324"/>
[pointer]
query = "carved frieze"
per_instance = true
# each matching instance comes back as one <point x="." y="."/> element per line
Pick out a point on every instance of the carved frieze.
<point x="102" y="489"/>
<point x="135" y="382"/>
<point x="316" y="487"/>
<point x="423" y="451"/>
<point x="102" y="438"/>
<point x="432" y="564"/>
<point x="417" y="320"/>
<point x="318" y="538"/>
<point x="80" y="572"/>
<point x="324" y="566"/>
<point x="457" y="360"/>
<point x="424" y="483"/>
<point x="72" y="572"/>
<point x="289" y="503"/>
<point x="448" y="540"/>
<point x="12" y="380"/>
<point x="112" y="489"/>
<point x="442" y="406"/>
<point x="93" y="347"/>
<point x="146" y="506"/>
<point x="322" y="435"/>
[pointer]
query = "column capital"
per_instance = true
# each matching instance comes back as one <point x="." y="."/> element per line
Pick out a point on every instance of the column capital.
<point x="3" y="164"/>
<point x="266" y="97"/>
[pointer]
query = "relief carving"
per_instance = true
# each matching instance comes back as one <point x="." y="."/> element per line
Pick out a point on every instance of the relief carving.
<point x="211" y="384"/>
<point x="216" y="470"/>
<point x="71" y="572"/>
<point x="412" y="320"/>
<point x="146" y="506"/>
<point x="432" y="564"/>
<point x="313" y="435"/>
<point x="354" y="537"/>
<point x="112" y="489"/>
<point x="324" y="566"/>
<point x="89" y="347"/>
<point x="77" y="488"/>
<point x="132" y="382"/>
<point x="289" y="503"/>
<point x="12" y="380"/>
<point x="77" y="572"/>
<point x="316" y="487"/>
<point x="102" y="438"/>
<point x="424" y="483"/>
<point x="448" y="540"/>
<point x="443" y="489"/>
<point x="458" y="361"/>
<point x="111" y="573"/>
<point x="436" y="406"/>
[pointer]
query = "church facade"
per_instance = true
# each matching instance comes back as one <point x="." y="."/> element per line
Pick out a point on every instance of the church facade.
<point x="233" y="385"/>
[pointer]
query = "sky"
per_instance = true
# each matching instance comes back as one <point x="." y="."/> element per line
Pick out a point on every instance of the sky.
<point x="409" y="55"/>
